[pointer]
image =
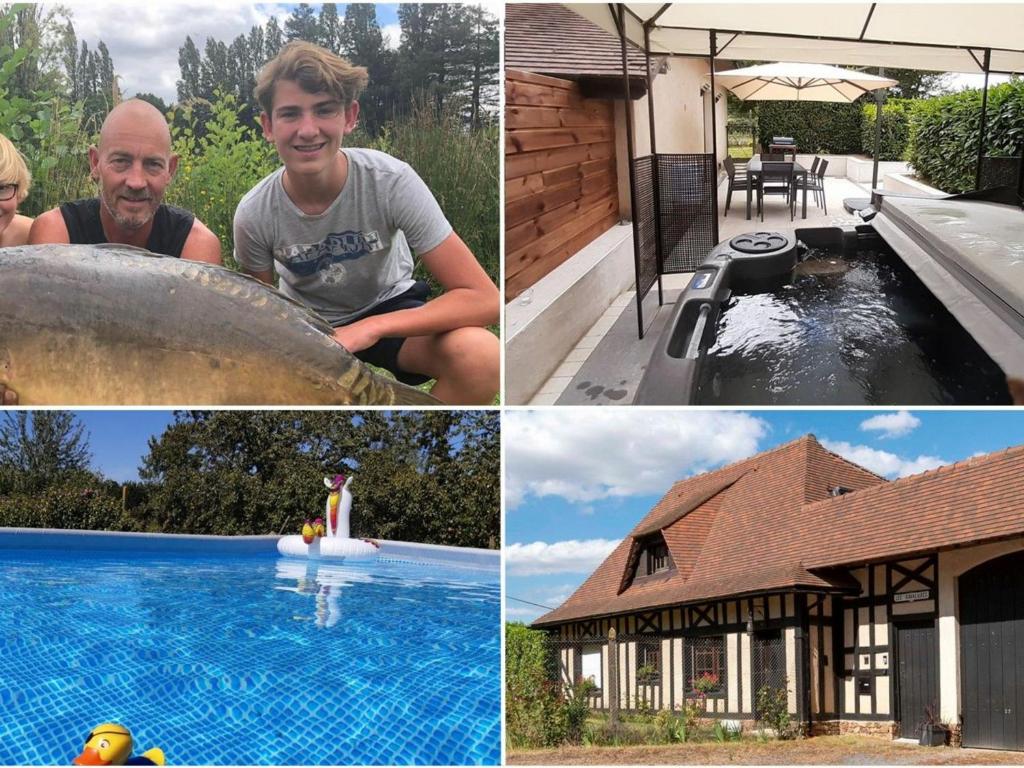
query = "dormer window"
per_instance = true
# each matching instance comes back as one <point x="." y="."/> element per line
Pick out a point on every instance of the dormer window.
<point x="657" y="557"/>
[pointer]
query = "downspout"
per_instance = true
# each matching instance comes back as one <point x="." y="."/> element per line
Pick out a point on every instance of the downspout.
<point x="659" y="250"/>
<point x="879" y="100"/>
<point x="620" y="20"/>
<point x="984" y="104"/>
<point x="714" y="141"/>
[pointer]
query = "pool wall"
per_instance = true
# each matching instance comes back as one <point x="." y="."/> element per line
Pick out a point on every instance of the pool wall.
<point x="180" y="543"/>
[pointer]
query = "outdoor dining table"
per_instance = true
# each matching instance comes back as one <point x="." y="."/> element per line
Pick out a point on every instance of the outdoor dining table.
<point x="754" y="171"/>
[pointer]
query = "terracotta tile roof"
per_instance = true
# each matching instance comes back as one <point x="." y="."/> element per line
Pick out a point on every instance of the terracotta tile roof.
<point x="550" y="39"/>
<point x="980" y="499"/>
<point x="770" y="523"/>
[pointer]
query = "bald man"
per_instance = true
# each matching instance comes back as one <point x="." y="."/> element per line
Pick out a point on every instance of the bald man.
<point x="133" y="164"/>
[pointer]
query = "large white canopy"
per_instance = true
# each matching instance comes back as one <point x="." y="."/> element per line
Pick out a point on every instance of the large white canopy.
<point x="944" y="37"/>
<point x="787" y="81"/>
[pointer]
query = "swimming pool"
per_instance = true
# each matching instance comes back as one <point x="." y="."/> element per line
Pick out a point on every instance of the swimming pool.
<point x="248" y="658"/>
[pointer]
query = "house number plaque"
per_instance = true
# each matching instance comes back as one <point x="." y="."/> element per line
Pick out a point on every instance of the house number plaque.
<point x="911" y="597"/>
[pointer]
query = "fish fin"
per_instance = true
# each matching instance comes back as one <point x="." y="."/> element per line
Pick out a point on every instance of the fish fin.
<point x="138" y="250"/>
<point x="406" y="395"/>
<point x="315" y="319"/>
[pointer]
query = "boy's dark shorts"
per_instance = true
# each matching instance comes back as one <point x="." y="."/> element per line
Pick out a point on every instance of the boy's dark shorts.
<point x="384" y="354"/>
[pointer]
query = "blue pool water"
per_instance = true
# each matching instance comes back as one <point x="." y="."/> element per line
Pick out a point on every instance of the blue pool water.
<point x="249" y="659"/>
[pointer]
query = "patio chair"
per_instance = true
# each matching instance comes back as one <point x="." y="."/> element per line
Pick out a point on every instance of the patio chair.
<point x="815" y="182"/>
<point x="738" y="179"/>
<point x="776" y="179"/>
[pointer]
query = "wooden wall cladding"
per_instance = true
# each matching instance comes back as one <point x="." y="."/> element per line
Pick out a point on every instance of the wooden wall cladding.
<point x="560" y="181"/>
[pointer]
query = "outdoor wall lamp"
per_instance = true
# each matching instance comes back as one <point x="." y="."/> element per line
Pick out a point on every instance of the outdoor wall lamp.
<point x="750" y="620"/>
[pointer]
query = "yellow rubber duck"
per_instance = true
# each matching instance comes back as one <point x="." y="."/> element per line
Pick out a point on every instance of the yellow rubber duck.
<point x="318" y="527"/>
<point x="308" y="532"/>
<point x="111" y="744"/>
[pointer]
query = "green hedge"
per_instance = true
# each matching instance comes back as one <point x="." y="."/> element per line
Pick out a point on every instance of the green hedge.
<point x="818" y="127"/>
<point x="534" y="710"/>
<point x="944" y="133"/>
<point x="895" y="129"/>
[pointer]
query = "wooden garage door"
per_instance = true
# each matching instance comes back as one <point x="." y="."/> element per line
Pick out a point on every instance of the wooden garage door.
<point x="992" y="653"/>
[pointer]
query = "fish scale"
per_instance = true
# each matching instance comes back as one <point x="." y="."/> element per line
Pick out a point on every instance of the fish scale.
<point x="102" y="325"/>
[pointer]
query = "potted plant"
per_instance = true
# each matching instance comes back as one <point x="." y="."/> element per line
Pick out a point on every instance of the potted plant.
<point x="934" y="732"/>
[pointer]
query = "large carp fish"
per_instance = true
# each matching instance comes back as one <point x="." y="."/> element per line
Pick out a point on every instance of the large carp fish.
<point x="111" y="325"/>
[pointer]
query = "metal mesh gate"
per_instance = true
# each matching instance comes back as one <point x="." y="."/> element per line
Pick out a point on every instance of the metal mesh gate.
<point x="769" y="663"/>
<point x="646" y="228"/>
<point x="686" y="188"/>
<point x="645" y="672"/>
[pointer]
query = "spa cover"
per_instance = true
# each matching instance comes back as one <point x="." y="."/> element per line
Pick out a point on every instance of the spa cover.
<point x="970" y="254"/>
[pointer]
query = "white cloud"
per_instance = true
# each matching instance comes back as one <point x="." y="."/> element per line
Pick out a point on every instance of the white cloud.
<point x="145" y="40"/>
<point x="560" y="557"/>
<point x="392" y="35"/>
<point x="891" y="424"/>
<point x="618" y="452"/>
<point x="882" y="462"/>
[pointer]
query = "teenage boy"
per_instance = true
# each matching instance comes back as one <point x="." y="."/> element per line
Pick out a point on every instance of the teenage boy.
<point x="339" y="225"/>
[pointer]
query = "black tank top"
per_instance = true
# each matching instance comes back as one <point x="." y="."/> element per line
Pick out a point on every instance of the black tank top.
<point x="171" y="226"/>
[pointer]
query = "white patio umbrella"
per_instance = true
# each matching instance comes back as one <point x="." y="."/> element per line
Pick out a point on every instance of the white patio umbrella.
<point x="786" y="81"/>
<point x="791" y="81"/>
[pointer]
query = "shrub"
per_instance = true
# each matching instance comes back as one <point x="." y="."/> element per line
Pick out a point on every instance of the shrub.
<point x="534" y="713"/>
<point x="944" y="133"/>
<point x="460" y="166"/>
<point x="608" y="734"/>
<point x="773" y="712"/>
<point x="817" y="127"/>
<point x="577" y="707"/>
<point x="217" y="168"/>
<point x="895" y="129"/>
<point x="69" y="507"/>
<point x="671" y="727"/>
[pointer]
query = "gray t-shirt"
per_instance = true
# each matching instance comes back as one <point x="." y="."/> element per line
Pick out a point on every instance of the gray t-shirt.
<point x="355" y="254"/>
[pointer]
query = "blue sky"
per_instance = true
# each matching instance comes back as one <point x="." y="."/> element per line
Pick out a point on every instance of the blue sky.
<point x="119" y="439"/>
<point x="577" y="480"/>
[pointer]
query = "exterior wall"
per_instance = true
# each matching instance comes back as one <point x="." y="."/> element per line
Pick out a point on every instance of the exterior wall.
<point x="560" y="179"/>
<point x="674" y="627"/>
<point x="868" y="639"/>
<point x="681" y="114"/>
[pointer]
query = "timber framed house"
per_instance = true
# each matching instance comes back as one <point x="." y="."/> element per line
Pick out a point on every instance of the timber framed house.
<point x="871" y="603"/>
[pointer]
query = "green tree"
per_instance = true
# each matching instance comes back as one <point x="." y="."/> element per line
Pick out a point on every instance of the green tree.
<point x="916" y="84"/>
<point x="41" y="447"/>
<point x="273" y="39"/>
<point x="302" y="24"/>
<point x="189" y="62"/>
<point x="420" y="476"/>
<point x="156" y="101"/>
<point x="482" y="55"/>
<point x="330" y="28"/>
<point x="362" y="42"/>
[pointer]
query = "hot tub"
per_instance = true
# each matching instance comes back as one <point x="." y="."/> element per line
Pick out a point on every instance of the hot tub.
<point x="923" y="306"/>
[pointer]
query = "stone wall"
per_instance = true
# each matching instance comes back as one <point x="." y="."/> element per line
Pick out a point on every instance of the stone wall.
<point x="883" y="728"/>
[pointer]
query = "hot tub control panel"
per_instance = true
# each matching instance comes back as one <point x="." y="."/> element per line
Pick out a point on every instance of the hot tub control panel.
<point x="701" y="280"/>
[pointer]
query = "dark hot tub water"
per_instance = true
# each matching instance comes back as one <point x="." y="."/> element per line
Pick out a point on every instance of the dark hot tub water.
<point x="855" y="330"/>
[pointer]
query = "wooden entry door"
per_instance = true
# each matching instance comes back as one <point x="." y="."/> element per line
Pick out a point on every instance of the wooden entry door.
<point x="917" y="678"/>
<point x="992" y="653"/>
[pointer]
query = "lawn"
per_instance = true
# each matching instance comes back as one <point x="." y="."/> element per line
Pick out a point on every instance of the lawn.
<point x="821" y="750"/>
